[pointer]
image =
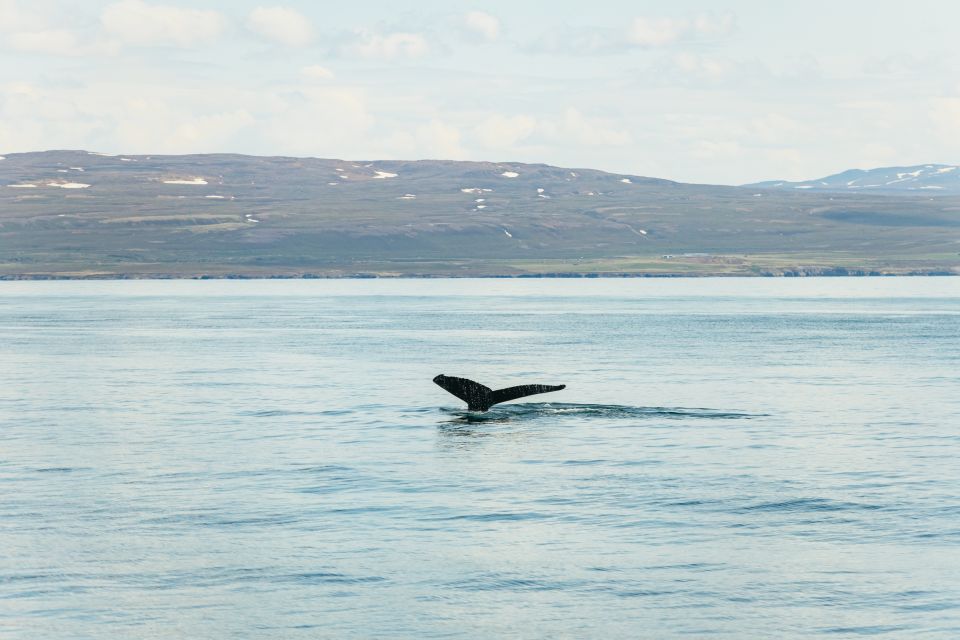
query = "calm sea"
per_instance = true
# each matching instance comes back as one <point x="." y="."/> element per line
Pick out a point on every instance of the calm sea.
<point x="269" y="459"/>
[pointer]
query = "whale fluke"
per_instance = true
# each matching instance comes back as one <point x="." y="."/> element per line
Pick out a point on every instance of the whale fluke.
<point x="481" y="398"/>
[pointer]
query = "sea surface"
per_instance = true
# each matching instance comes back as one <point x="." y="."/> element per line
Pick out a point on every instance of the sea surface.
<point x="732" y="458"/>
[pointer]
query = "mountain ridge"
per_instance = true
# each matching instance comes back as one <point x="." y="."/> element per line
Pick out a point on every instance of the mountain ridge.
<point x="935" y="179"/>
<point x="86" y="214"/>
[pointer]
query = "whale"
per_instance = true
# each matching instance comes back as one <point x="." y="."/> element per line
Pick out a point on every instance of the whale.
<point x="481" y="398"/>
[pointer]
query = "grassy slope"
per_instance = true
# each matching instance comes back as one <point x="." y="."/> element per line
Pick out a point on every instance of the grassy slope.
<point x="129" y="222"/>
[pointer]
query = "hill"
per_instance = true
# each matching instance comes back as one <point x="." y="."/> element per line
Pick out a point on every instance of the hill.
<point x="929" y="179"/>
<point x="82" y="214"/>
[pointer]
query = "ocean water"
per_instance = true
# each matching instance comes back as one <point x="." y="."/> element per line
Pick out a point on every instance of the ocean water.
<point x="269" y="459"/>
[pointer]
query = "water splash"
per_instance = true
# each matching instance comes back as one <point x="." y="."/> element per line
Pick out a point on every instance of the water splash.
<point x="558" y="410"/>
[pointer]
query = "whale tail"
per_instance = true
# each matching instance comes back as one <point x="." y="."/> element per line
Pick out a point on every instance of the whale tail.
<point x="481" y="398"/>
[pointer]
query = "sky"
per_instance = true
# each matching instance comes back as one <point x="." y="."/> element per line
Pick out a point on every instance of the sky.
<point x="711" y="92"/>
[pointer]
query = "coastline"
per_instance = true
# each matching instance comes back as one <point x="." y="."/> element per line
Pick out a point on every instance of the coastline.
<point x="539" y="276"/>
<point x="685" y="265"/>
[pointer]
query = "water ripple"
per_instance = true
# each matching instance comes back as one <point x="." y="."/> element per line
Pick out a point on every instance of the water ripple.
<point x="271" y="460"/>
<point x="556" y="411"/>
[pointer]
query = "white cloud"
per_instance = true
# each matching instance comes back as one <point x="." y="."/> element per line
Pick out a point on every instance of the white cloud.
<point x="767" y="120"/>
<point x="483" y="25"/>
<point x="435" y="139"/>
<point x="281" y="24"/>
<point x="775" y="128"/>
<point x="32" y="117"/>
<point x="58" y="42"/>
<point x="699" y="66"/>
<point x="123" y="116"/>
<point x="655" y="32"/>
<point x="13" y="18"/>
<point x="132" y="117"/>
<point x="588" y="131"/>
<point x="580" y="41"/>
<point x="875" y="154"/>
<point x="393" y="45"/>
<point x="316" y="121"/>
<point x="316" y="72"/>
<point x="438" y="139"/>
<point x="726" y="150"/>
<point x="138" y="23"/>
<point x="128" y="22"/>
<point x="946" y="117"/>
<point x="46" y="41"/>
<point x="707" y="24"/>
<point x="504" y="136"/>
<point x="499" y="132"/>
<point x="29" y="31"/>
<point x="642" y="32"/>
<point x="212" y="130"/>
<point x="171" y="128"/>
<point x="659" y="32"/>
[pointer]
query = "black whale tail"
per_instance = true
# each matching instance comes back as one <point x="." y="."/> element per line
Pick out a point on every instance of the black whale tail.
<point x="481" y="398"/>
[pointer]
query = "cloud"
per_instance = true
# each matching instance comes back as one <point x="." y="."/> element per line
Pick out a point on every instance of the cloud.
<point x="138" y="23"/>
<point x="707" y="25"/>
<point x="123" y="116"/>
<point x="148" y="117"/>
<point x="775" y="128"/>
<point x="907" y="64"/>
<point x="874" y="154"/>
<point x="712" y="135"/>
<point x="172" y="128"/>
<point x="46" y="41"/>
<point x="699" y="66"/>
<point x="316" y="72"/>
<point x="434" y="139"/>
<point x="946" y="117"/>
<point x="586" y="130"/>
<point x="650" y="33"/>
<point x="498" y="131"/>
<point x="580" y="41"/>
<point x="14" y="18"/>
<point x="716" y="149"/>
<point x="29" y="31"/>
<point x="438" y="139"/>
<point x="29" y="115"/>
<point x="280" y="24"/>
<point x="314" y="121"/>
<point x="368" y="44"/>
<point x="642" y="32"/>
<point x="482" y="25"/>
<point x="506" y="133"/>
<point x="655" y="32"/>
<point x="659" y="32"/>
